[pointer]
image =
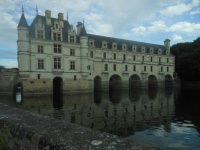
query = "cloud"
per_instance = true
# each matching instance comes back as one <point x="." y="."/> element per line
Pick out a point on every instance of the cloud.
<point x="195" y="12"/>
<point x="179" y="9"/>
<point x="177" y="37"/>
<point x="185" y="27"/>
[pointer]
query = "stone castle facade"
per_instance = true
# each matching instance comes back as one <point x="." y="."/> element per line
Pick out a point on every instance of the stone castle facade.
<point x="51" y="51"/>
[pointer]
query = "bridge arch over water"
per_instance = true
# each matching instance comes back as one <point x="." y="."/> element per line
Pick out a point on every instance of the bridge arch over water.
<point x="115" y="82"/>
<point x="97" y="83"/>
<point x="134" y="81"/>
<point x="168" y="80"/>
<point x="152" y="81"/>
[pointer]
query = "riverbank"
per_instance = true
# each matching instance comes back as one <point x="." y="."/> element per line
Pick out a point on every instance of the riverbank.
<point x="20" y="129"/>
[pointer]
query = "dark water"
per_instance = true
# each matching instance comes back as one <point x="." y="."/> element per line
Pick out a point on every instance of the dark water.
<point x="165" y="118"/>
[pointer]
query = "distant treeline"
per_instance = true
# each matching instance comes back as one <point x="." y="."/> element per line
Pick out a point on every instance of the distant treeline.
<point x="187" y="60"/>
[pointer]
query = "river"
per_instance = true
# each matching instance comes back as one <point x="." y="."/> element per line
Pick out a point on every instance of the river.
<point x="166" y="118"/>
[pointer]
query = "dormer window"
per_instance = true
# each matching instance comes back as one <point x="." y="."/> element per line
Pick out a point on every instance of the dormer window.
<point x="40" y="34"/>
<point x="114" y="45"/>
<point x="143" y="49"/>
<point x="124" y="46"/>
<point x="134" y="48"/>
<point x="159" y="51"/>
<point x="72" y="39"/>
<point x="56" y="36"/>
<point x="151" y="50"/>
<point x="104" y="44"/>
<point x="91" y="43"/>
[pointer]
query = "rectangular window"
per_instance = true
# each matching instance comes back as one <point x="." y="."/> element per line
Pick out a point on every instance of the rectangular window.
<point x="167" y="60"/>
<point x="114" y="56"/>
<point x="142" y="58"/>
<point x="57" y="36"/>
<point x="57" y="63"/>
<point x="124" y="57"/>
<point x="91" y="54"/>
<point x="151" y="59"/>
<point x="134" y="68"/>
<point x="151" y="68"/>
<point x="38" y="76"/>
<point x="72" y="65"/>
<point x="114" y="67"/>
<point x="126" y="68"/>
<point x="40" y="64"/>
<point x="72" y="52"/>
<point x="159" y="60"/>
<point x="74" y="77"/>
<point x="72" y="39"/>
<point x="40" y="49"/>
<point x="167" y="69"/>
<point x="106" y="67"/>
<point x="39" y="34"/>
<point x="104" y="55"/>
<point x="133" y="57"/>
<point x="161" y="69"/>
<point x="57" y="48"/>
<point x="144" y="68"/>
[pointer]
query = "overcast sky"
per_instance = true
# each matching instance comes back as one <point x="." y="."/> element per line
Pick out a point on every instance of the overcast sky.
<point x="149" y="21"/>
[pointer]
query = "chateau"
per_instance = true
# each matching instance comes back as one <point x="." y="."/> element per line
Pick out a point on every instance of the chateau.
<point x="52" y="55"/>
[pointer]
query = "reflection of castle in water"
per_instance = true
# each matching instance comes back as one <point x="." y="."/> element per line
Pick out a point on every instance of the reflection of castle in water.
<point x="117" y="112"/>
<point x="121" y="114"/>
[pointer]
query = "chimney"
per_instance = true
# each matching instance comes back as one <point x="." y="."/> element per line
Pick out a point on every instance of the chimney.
<point x="79" y="27"/>
<point x="167" y="44"/>
<point x="60" y="19"/>
<point x="48" y="17"/>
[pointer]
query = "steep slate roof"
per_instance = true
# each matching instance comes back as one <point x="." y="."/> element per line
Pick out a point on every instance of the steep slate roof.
<point x="83" y="31"/>
<point x="98" y="43"/>
<point x="97" y="38"/>
<point x="22" y="21"/>
<point x="48" y="28"/>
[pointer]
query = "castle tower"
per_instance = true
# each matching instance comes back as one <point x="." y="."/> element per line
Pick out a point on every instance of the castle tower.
<point x="23" y="47"/>
<point x="167" y="46"/>
<point x="84" y="51"/>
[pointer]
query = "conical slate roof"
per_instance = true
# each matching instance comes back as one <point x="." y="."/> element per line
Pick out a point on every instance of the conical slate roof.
<point x="22" y="21"/>
<point x="83" y="31"/>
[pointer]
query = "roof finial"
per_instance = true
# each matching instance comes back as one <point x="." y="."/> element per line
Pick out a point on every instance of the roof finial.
<point x="36" y="10"/>
<point x="22" y="9"/>
<point x="67" y="16"/>
<point x="83" y="21"/>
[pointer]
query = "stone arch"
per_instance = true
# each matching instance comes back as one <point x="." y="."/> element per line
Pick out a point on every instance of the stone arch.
<point x="57" y="92"/>
<point x="134" y="81"/>
<point x="115" y="82"/>
<point x="152" y="81"/>
<point x="97" y="83"/>
<point x="168" y="80"/>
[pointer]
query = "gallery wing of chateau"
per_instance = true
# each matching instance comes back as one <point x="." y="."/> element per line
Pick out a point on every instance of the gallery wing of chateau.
<point x="52" y="53"/>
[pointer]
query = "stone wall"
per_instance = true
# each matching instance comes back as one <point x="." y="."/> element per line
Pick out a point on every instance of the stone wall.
<point x="8" y="79"/>
<point x="20" y="129"/>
